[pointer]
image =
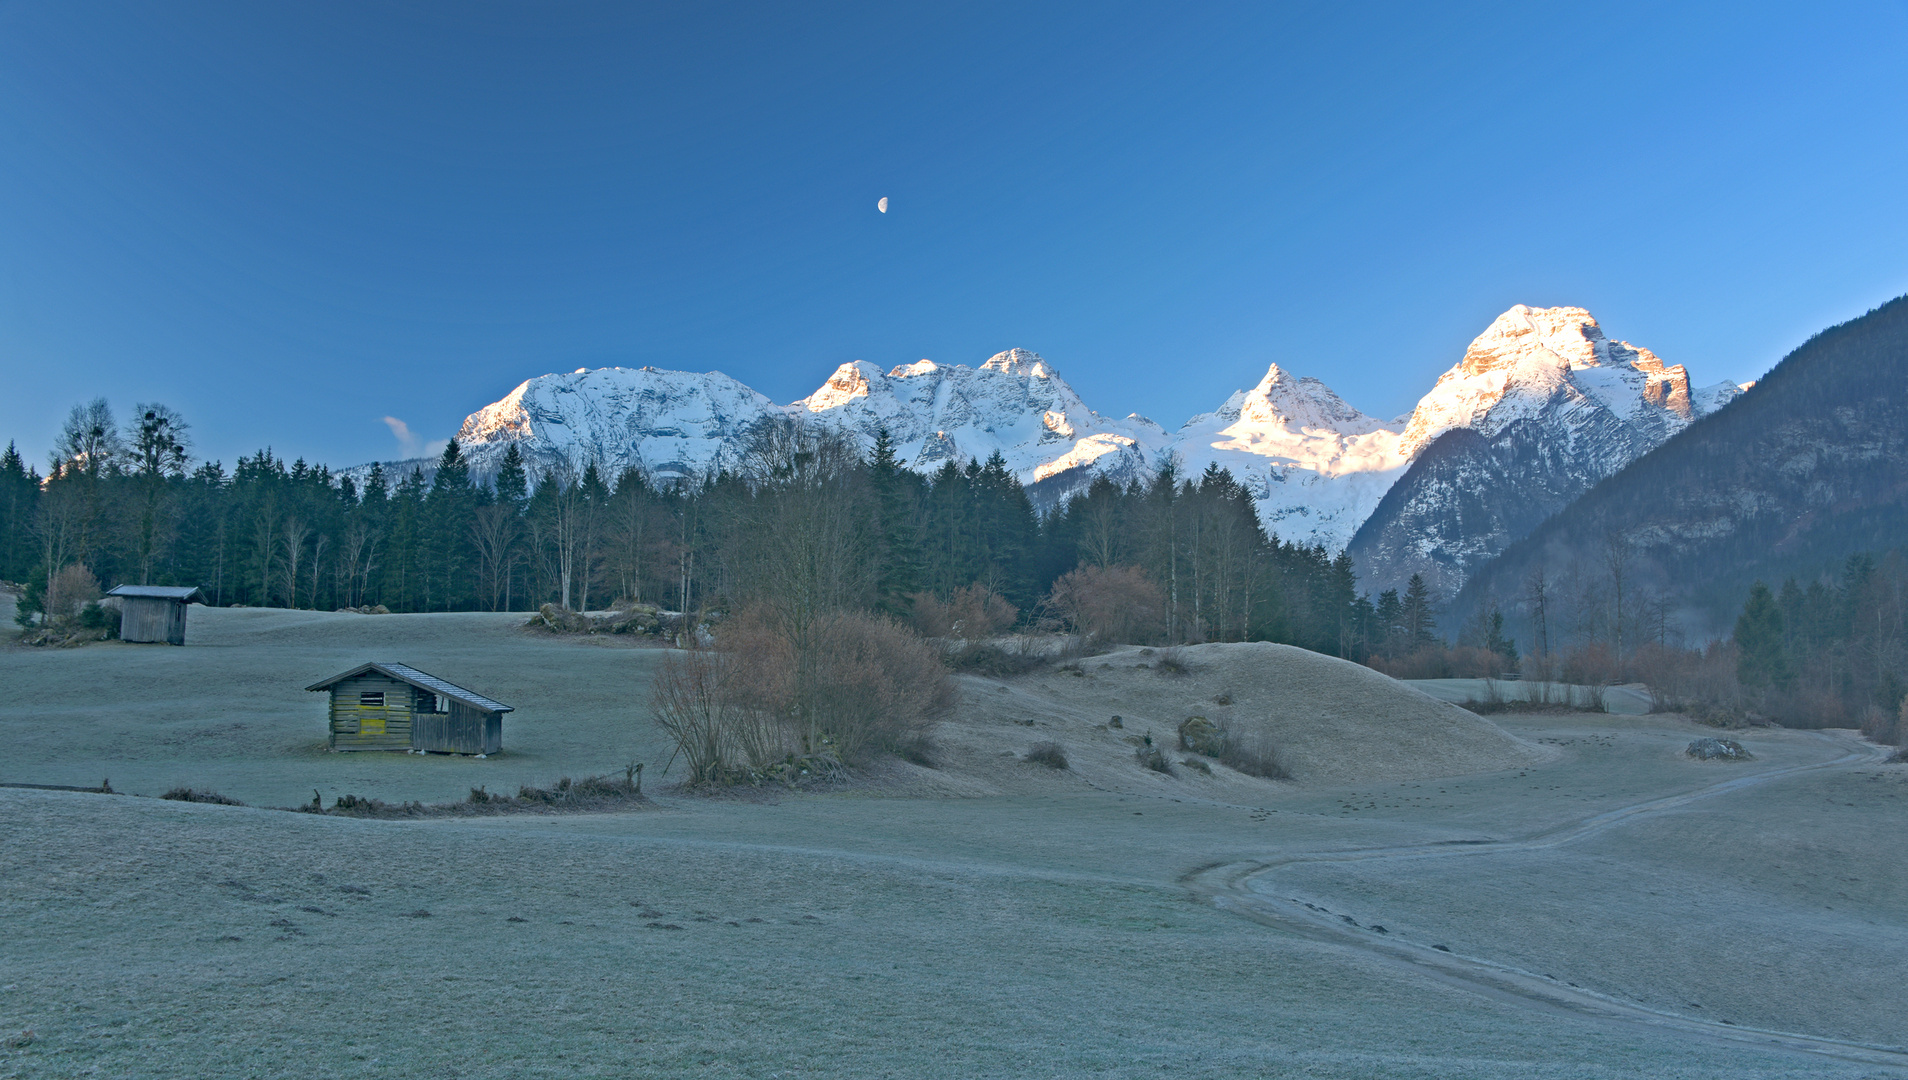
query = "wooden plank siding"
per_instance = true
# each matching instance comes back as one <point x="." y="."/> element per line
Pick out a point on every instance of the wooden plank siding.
<point x="414" y="710"/>
<point x="465" y="729"/>
<point x="356" y="726"/>
<point x="145" y="619"/>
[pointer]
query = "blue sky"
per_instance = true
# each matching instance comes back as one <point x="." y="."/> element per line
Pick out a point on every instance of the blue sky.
<point x="290" y="221"/>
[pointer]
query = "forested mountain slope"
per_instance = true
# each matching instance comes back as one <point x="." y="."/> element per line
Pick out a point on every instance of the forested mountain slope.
<point x="1807" y="467"/>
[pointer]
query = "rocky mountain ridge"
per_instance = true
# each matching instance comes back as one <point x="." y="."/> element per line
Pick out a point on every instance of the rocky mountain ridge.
<point x="1317" y="467"/>
<point x="1807" y="468"/>
<point x="1541" y="407"/>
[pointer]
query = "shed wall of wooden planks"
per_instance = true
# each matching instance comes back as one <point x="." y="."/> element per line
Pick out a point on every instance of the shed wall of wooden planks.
<point x="357" y="726"/>
<point x="463" y="730"/>
<point x="149" y="619"/>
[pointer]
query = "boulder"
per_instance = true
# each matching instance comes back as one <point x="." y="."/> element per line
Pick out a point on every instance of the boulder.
<point x="1708" y="749"/>
<point x="1202" y="736"/>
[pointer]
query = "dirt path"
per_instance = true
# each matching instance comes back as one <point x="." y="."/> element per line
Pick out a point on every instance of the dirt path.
<point x="1251" y="889"/>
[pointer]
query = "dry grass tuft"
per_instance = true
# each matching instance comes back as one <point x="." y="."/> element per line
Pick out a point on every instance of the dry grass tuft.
<point x="1153" y="758"/>
<point x="1050" y="754"/>
<point x="591" y="794"/>
<point x="186" y="794"/>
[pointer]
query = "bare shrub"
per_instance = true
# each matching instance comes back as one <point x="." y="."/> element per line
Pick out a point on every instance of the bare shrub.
<point x="1540" y="668"/>
<point x="1474" y="662"/>
<point x="857" y="682"/>
<point x="868" y="683"/>
<point x="1666" y="673"/>
<point x="1107" y="603"/>
<point x="972" y="613"/>
<point x="70" y="590"/>
<point x="1050" y="754"/>
<point x="758" y="680"/>
<point x="774" y="701"/>
<point x="1879" y="725"/>
<point x="1428" y="662"/>
<point x="691" y="704"/>
<point x="1592" y="664"/>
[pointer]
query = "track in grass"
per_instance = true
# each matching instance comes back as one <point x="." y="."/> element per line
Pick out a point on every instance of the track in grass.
<point x="1249" y="889"/>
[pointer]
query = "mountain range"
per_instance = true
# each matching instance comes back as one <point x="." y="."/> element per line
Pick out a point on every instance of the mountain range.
<point x="1540" y="407"/>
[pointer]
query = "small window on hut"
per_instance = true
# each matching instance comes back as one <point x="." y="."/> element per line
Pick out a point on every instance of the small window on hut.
<point x="372" y="699"/>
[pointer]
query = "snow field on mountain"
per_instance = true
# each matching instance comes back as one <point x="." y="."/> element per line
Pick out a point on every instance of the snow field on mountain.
<point x="1315" y="466"/>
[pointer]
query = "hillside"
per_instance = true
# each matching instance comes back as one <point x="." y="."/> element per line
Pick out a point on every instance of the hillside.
<point x="1807" y="467"/>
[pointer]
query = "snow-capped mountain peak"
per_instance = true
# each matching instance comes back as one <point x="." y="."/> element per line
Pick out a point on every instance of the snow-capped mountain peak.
<point x="1534" y="362"/>
<point x="668" y="423"/>
<point x="1316" y="466"/>
<point x="1018" y="362"/>
<point x="1014" y="403"/>
<point x="850" y="381"/>
<point x="1297" y="404"/>
<point x="1556" y="406"/>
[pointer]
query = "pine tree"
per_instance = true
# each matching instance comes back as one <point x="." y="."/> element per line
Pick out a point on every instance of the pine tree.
<point x="513" y="479"/>
<point x="449" y="515"/>
<point x="1761" y="661"/>
<point x="898" y="494"/>
<point x="19" y="495"/>
<point x="1496" y="642"/>
<point x="1007" y="531"/>
<point x="403" y="568"/>
<point x="949" y="554"/>
<point x="1419" y="616"/>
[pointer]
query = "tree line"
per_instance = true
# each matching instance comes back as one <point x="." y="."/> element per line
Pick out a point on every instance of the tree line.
<point x="130" y="505"/>
<point x="1832" y="652"/>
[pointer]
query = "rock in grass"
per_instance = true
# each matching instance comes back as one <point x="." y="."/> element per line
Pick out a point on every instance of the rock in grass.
<point x="1708" y="749"/>
<point x="1202" y="736"/>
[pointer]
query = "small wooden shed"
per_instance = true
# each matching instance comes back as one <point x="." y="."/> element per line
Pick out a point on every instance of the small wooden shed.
<point x="154" y="613"/>
<point x="397" y="707"/>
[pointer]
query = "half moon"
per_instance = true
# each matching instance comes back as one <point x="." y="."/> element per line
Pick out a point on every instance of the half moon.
<point x="882" y="205"/>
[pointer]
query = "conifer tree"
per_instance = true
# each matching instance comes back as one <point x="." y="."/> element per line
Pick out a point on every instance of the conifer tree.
<point x="513" y="480"/>
<point x="449" y="515"/>
<point x="19" y="497"/>
<point x="1418" y="614"/>
<point x="1761" y="661"/>
<point x="898" y="494"/>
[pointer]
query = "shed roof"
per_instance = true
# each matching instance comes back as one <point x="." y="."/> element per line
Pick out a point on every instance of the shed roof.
<point x="409" y="674"/>
<point x="183" y="593"/>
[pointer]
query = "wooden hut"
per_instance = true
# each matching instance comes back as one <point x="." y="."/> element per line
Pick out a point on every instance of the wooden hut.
<point x="154" y="613"/>
<point x="397" y="707"/>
